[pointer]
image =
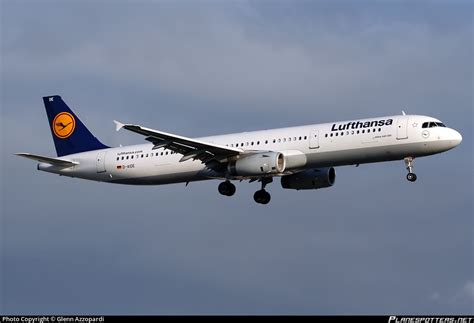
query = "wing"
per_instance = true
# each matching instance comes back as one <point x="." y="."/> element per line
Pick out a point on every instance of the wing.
<point x="208" y="153"/>
<point x="53" y="161"/>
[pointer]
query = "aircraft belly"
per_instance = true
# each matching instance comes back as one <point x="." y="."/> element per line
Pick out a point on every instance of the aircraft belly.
<point x="161" y="179"/>
<point x="362" y="155"/>
<point x="162" y="173"/>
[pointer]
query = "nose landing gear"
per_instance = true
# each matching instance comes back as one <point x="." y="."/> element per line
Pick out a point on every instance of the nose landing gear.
<point x="409" y="164"/>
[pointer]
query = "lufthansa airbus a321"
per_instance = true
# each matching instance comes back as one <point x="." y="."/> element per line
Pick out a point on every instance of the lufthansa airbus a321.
<point x="302" y="157"/>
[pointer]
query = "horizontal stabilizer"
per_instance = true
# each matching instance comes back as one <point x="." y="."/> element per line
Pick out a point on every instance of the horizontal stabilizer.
<point x="49" y="160"/>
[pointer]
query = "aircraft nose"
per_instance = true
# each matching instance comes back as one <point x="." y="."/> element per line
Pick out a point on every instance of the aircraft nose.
<point x="455" y="137"/>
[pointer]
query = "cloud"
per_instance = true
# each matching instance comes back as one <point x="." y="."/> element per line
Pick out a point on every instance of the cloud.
<point x="460" y="299"/>
<point x="243" y="57"/>
<point x="466" y="293"/>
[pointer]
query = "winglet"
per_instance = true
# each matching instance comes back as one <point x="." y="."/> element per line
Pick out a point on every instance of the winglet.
<point x="118" y="125"/>
<point x="403" y="112"/>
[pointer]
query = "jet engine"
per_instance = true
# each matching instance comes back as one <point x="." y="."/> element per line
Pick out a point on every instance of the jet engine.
<point x="258" y="164"/>
<point x="310" y="179"/>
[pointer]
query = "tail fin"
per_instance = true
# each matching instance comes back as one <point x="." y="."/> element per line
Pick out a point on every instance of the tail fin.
<point x="70" y="135"/>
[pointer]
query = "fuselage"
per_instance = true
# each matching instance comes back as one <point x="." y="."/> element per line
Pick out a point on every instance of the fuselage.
<point x="320" y="145"/>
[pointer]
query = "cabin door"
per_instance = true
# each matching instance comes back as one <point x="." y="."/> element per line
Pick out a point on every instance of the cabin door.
<point x="314" y="139"/>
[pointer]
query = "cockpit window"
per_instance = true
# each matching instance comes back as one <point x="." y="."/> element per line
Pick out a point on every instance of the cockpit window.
<point x="433" y="124"/>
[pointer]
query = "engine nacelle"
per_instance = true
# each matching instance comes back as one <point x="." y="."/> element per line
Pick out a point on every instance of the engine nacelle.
<point x="258" y="164"/>
<point x="310" y="179"/>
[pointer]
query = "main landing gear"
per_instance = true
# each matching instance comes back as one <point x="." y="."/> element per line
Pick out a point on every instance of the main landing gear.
<point x="262" y="196"/>
<point x="226" y="188"/>
<point x="409" y="164"/>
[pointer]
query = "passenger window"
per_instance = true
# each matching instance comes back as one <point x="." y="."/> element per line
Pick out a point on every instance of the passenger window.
<point x="331" y="134"/>
<point x="342" y="133"/>
<point x="279" y="140"/>
<point x="142" y="155"/>
<point x="300" y="137"/>
<point x="337" y="134"/>
<point x="127" y="157"/>
<point x="326" y="135"/>
<point x="131" y="157"/>
<point x="305" y="137"/>
<point x="358" y="131"/>
<point x="363" y="131"/>
<point x="122" y="157"/>
<point x="118" y="158"/>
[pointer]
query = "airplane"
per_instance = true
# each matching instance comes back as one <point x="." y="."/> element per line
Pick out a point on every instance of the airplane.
<point x="302" y="157"/>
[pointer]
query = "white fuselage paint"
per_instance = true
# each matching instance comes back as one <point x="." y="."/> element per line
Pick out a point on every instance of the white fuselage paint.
<point x="404" y="137"/>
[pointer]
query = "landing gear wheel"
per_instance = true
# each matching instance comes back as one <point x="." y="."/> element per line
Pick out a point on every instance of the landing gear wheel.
<point x="227" y="188"/>
<point x="262" y="197"/>
<point x="409" y="164"/>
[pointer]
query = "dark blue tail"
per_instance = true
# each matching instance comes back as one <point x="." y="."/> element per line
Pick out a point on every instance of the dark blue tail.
<point x="70" y="135"/>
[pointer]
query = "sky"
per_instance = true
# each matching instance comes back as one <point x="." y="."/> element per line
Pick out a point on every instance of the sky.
<point x="371" y="244"/>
